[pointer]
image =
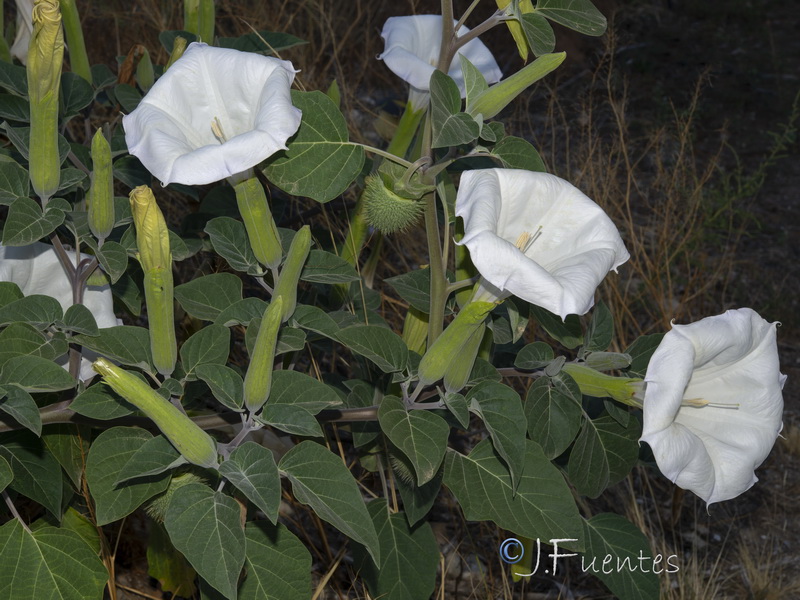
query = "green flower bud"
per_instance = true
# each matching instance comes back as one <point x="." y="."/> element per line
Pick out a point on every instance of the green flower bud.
<point x="599" y="385"/>
<point x="178" y="48"/>
<point x="449" y="347"/>
<point x="194" y="444"/>
<point x="258" y="221"/>
<point x="457" y="374"/>
<point x="387" y="211"/>
<point x="45" y="55"/>
<point x="198" y="18"/>
<point x="101" y="194"/>
<point x="152" y="240"/>
<point x="286" y="288"/>
<point x="78" y="59"/>
<point x="258" y="380"/>
<point x="145" y="76"/>
<point x="525" y="6"/>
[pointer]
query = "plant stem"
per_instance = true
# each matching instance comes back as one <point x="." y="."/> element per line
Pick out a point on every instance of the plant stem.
<point x="438" y="290"/>
<point x="14" y="512"/>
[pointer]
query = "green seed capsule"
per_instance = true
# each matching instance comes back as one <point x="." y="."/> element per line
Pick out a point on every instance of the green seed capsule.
<point x="258" y="380"/>
<point x="449" y="347"/>
<point x="286" y="287"/>
<point x="194" y="444"/>
<point x="101" y="194"/>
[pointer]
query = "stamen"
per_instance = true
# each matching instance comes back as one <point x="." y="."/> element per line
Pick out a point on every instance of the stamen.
<point x="526" y="239"/>
<point x="701" y="402"/>
<point x="216" y="129"/>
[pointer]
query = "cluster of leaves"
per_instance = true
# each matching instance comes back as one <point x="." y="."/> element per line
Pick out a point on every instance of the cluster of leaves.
<point x="543" y="447"/>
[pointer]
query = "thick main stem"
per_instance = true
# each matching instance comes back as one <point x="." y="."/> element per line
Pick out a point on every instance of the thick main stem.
<point x="438" y="289"/>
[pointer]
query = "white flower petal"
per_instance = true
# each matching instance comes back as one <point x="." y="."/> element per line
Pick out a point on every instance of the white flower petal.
<point x="170" y="131"/>
<point x="575" y="243"/>
<point x="19" y="49"/>
<point x="37" y="270"/>
<point x="731" y="362"/>
<point x="412" y="46"/>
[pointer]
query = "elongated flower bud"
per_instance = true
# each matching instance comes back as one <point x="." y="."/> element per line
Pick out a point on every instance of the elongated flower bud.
<point x="457" y="374"/>
<point x="286" y="287"/>
<point x="101" y="194"/>
<point x="600" y="385"/>
<point x="449" y="347"/>
<point x="258" y="380"/>
<point x="145" y="75"/>
<point x="78" y="59"/>
<point x="198" y="18"/>
<point x="525" y="6"/>
<point x="45" y="55"/>
<point x="258" y="221"/>
<point x="178" y="48"/>
<point x="152" y="240"/>
<point x="193" y="443"/>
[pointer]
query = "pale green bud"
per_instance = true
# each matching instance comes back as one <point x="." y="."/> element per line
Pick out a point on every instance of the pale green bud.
<point x="258" y="380"/>
<point x="101" y="193"/>
<point x="286" y="287"/>
<point x="45" y="55"/>
<point x="194" y="444"/>
<point x="525" y="6"/>
<point x="178" y="48"/>
<point x="198" y="18"/>
<point x="599" y="385"/>
<point x="449" y="346"/>
<point x="152" y="241"/>
<point x="258" y="222"/>
<point x="457" y="374"/>
<point x="78" y="59"/>
<point x="497" y="97"/>
<point x="145" y="75"/>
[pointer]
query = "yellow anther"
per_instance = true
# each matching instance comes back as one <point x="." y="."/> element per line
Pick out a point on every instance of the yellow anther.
<point x="216" y="129"/>
<point x="526" y="239"/>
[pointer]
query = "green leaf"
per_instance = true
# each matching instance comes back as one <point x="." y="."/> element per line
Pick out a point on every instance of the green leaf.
<point x="604" y="454"/>
<point x="321" y="480"/>
<point x="419" y="434"/>
<point x="261" y="42"/>
<point x="6" y="474"/>
<point x="553" y="411"/>
<point x="601" y="329"/>
<point x="568" y="331"/>
<point x="542" y="506"/>
<point x="108" y="455"/>
<point x="128" y="97"/>
<point x="154" y="457"/>
<point x="19" y="339"/>
<point x="183" y="248"/>
<point x="38" y="310"/>
<point x="500" y="409"/>
<point x="324" y="267"/>
<point x="278" y="564"/>
<point x="113" y="259"/>
<point x="457" y="405"/>
<point x="580" y="15"/>
<point x="612" y="535"/>
<point x="252" y="469"/>
<point x="414" y="287"/>
<point x="126" y="344"/>
<point x="127" y="292"/>
<point x="230" y="241"/>
<point x="534" y="356"/>
<point x="418" y="499"/>
<point x="210" y="345"/>
<point x="409" y="557"/>
<point x="167" y="565"/>
<point x="101" y="403"/>
<point x="76" y="94"/>
<point x="538" y="32"/>
<point x="50" y="563"/>
<point x="35" y="374"/>
<point x="130" y="171"/>
<point x="15" y="108"/>
<point x="242" y="312"/>
<point x="516" y="153"/>
<point x="20" y="137"/>
<point x="14" y="182"/>
<point x="26" y="223"/>
<point x="206" y="297"/>
<point x="71" y="178"/>
<point x="205" y="526"/>
<point x="226" y="384"/>
<point x="640" y="352"/>
<point x="294" y="399"/>
<point x="167" y="38"/>
<point x="320" y="161"/>
<point x="14" y="78"/>
<point x="450" y="126"/>
<point x="37" y="474"/>
<point x="378" y="344"/>
<point x="20" y="404"/>
<point x="69" y="444"/>
<point x="315" y="319"/>
<point x="474" y="81"/>
<point x="79" y="319"/>
<point x="9" y="292"/>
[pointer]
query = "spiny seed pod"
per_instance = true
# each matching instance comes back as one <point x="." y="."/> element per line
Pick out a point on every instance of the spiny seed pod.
<point x="449" y="346"/>
<point x="101" y="194"/>
<point x="45" y="55"/>
<point x="385" y="210"/>
<point x="258" y="380"/>
<point x="152" y="241"/>
<point x="258" y="221"/>
<point x="286" y="287"/>
<point x="157" y="508"/>
<point x="194" y="444"/>
<point x="600" y="385"/>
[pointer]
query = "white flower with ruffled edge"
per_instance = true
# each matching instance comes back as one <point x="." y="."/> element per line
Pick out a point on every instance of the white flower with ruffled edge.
<point x="537" y="237"/>
<point x="36" y="270"/>
<point x="411" y="51"/>
<point x="713" y="403"/>
<point x="215" y="114"/>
